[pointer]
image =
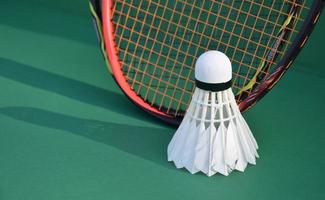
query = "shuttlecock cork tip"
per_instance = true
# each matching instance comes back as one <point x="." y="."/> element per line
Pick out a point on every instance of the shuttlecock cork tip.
<point x="213" y="67"/>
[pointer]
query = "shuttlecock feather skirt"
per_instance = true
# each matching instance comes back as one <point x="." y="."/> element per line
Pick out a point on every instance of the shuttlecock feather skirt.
<point x="213" y="136"/>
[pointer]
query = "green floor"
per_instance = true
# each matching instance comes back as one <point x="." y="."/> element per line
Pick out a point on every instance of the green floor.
<point x="67" y="132"/>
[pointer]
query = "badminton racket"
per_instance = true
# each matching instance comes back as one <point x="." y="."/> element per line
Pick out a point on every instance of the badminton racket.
<point x="151" y="46"/>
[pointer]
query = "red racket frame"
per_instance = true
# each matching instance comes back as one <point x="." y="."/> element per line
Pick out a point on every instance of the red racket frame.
<point x="257" y="94"/>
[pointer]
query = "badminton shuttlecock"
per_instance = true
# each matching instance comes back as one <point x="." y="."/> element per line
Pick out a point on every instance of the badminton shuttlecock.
<point x="213" y="136"/>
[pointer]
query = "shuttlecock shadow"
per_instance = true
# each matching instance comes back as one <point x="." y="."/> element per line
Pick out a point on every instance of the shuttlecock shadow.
<point x="70" y="88"/>
<point x="144" y="142"/>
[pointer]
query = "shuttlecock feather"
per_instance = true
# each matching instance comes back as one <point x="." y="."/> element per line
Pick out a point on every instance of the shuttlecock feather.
<point x="213" y="136"/>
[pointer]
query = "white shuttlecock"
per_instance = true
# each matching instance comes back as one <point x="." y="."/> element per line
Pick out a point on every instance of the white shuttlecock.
<point x="213" y="136"/>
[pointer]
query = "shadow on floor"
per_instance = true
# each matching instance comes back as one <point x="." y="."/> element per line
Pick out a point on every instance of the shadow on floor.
<point x="148" y="143"/>
<point x="60" y="18"/>
<point x="71" y="88"/>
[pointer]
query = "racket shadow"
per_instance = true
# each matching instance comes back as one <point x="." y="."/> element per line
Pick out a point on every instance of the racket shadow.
<point x="147" y="143"/>
<point x="71" y="88"/>
<point x="69" y="20"/>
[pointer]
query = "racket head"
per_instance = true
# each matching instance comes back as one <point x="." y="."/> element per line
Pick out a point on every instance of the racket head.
<point x="278" y="56"/>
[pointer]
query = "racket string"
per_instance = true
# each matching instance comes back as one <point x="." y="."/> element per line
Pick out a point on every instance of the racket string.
<point x="196" y="53"/>
<point x="268" y="62"/>
<point x="161" y="43"/>
<point x="257" y="50"/>
<point x="123" y="30"/>
<point x="243" y="12"/>
<point x="168" y="54"/>
<point x="296" y="22"/>
<point x="187" y="53"/>
<point x="236" y="47"/>
<point x="131" y="62"/>
<point x="150" y="50"/>
<point x="163" y="77"/>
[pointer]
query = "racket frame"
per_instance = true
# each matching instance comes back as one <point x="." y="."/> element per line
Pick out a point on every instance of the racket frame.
<point x="272" y="79"/>
<point x="261" y="90"/>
